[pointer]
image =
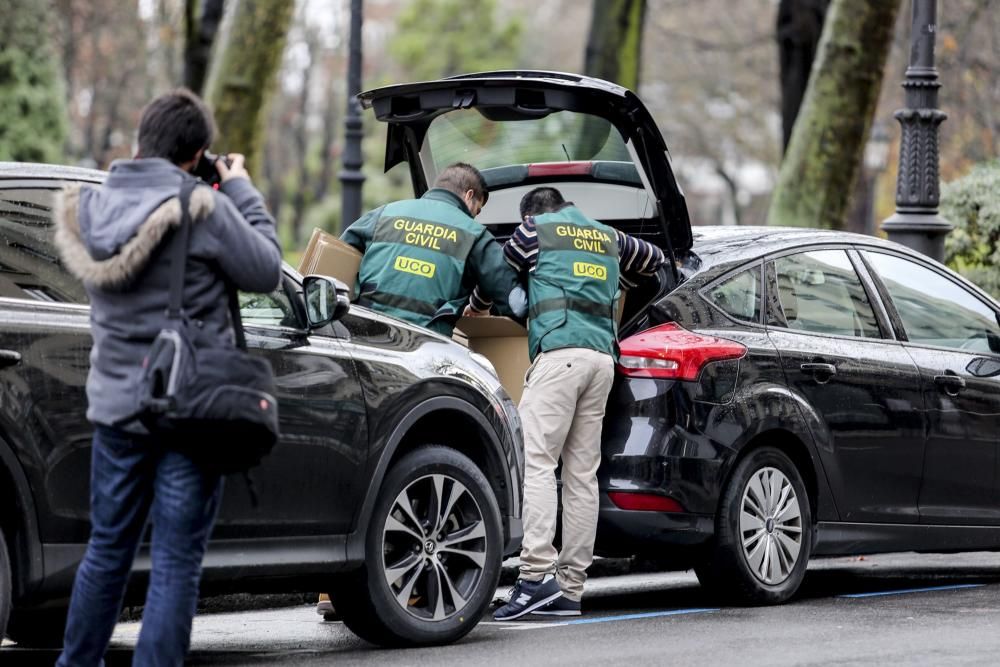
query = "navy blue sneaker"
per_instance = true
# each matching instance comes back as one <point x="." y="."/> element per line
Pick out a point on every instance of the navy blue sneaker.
<point x="561" y="606"/>
<point x="528" y="596"/>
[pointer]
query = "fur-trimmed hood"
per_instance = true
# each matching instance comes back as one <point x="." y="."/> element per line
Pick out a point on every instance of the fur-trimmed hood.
<point x="107" y="235"/>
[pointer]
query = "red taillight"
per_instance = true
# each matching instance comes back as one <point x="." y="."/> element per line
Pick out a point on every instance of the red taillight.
<point x="644" y="502"/>
<point x="670" y="351"/>
<point x="542" y="169"/>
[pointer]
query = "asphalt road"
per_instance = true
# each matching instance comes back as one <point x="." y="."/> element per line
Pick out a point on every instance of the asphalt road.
<point x="891" y="609"/>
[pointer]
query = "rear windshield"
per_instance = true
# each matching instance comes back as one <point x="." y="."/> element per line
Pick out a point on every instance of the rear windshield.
<point x="465" y="135"/>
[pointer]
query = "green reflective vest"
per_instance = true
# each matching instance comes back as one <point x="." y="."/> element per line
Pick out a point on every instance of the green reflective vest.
<point x="413" y="267"/>
<point x="573" y="291"/>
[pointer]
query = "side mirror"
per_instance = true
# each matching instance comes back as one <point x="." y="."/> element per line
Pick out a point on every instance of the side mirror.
<point x="983" y="368"/>
<point x="327" y="300"/>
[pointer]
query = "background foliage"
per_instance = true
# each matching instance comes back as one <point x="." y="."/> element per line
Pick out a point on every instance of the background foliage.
<point x="709" y="75"/>
<point x="31" y="94"/>
<point x="972" y="204"/>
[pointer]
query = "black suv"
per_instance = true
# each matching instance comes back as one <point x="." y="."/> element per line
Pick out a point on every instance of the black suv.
<point x="396" y="484"/>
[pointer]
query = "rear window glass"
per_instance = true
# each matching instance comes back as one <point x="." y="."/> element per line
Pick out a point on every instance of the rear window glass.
<point x="30" y="267"/>
<point x="465" y="135"/>
<point x="739" y="296"/>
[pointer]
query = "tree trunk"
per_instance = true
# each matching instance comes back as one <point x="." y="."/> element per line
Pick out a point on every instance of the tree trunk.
<point x="32" y="103"/>
<point x="820" y="168"/>
<point x="614" y="47"/>
<point x="244" y="74"/>
<point x="799" y="27"/>
<point x="199" y="35"/>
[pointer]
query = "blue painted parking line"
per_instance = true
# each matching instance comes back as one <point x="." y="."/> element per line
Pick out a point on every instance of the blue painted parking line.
<point x="911" y="590"/>
<point x="633" y="617"/>
<point x="555" y="623"/>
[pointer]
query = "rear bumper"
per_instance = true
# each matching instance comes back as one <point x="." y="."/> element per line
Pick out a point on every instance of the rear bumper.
<point x="628" y="532"/>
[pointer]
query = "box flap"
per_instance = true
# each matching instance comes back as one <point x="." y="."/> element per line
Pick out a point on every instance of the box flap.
<point x="490" y="326"/>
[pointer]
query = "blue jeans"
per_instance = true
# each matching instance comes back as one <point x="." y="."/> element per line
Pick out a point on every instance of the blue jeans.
<point x="132" y="479"/>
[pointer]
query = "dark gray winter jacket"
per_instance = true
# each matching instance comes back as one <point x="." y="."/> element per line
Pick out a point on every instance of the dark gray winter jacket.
<point x="110" y="237"/>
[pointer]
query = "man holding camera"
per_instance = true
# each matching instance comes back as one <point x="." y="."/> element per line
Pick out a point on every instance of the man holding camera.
<point x="111" y="238"/>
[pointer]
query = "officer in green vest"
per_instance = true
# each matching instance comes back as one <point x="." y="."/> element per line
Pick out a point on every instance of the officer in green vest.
<point x="423" y="258"/>
<point x="573" y="266"/>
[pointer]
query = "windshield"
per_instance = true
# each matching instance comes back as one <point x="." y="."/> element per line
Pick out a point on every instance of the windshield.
<point x="465" y="135"/>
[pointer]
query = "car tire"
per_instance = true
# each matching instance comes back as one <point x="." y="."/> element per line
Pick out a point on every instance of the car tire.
<point x="6" y="590"/>
<point x="429" y="575"/>
<point x="763" y="532"/>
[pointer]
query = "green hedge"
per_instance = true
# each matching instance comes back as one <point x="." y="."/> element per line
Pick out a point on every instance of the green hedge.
<point x="972" y="204"/>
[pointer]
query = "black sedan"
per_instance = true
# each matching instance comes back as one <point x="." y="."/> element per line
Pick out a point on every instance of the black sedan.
<point x="395" y="485"/>
<point x="783" y="393"/>
<point x="803" y="393"/>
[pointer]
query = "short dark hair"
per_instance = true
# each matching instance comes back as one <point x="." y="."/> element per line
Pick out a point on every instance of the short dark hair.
<point x="541" y="200"/>
<point x="461" y="177"/>
<point x="175" y="126"/>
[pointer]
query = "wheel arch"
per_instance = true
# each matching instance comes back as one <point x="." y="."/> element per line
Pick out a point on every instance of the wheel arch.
<point x="19" y="522"/>
<point x="466" y="427"/>
<point x="794" y="448"/>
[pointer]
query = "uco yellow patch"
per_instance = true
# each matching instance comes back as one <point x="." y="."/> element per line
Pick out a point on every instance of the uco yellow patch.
<point x="415" y="266"/>
<point x="585" y="270"/>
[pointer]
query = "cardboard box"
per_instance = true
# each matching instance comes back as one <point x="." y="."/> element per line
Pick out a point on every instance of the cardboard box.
<point x="329" y="256"/>
<point x="504" y="342"/>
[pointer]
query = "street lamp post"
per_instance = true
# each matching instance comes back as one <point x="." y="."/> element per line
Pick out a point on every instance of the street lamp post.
<point x="351" y="176"/>
<point x="916" y="222"/>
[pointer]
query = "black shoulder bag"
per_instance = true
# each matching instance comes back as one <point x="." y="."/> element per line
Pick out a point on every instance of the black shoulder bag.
<point x="214" y="403"/>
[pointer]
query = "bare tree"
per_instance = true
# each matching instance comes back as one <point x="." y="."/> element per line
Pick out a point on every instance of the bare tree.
<point x="821" y="165"/>
<point x="713" y="93"/>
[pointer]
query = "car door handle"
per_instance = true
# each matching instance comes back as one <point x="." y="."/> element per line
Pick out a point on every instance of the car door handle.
<point x="950" y="383"/>
<point x="819" y="369"/>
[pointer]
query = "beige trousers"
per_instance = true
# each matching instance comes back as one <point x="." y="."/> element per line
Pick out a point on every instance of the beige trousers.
<point x="562" y="408"/>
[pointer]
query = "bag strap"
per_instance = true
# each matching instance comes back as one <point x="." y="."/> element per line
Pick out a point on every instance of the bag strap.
<point x="178" y="266"/>
<point x="235" y="318"/>
<point x="179" y="252"/>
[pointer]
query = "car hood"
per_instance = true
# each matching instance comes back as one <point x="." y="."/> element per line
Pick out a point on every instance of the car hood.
<point x="409" y="109"/>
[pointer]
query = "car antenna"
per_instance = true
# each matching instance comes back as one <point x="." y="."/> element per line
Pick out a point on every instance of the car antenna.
<point x="568" y="158"/>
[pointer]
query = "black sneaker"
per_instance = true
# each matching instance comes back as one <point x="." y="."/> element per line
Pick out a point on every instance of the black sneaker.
<point x="561" y="606"/>
<point x="528" y="596"/>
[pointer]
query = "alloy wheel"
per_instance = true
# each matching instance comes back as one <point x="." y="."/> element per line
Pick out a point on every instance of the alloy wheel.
<point x="770" y="526"/>
<point x="434" y="547"/>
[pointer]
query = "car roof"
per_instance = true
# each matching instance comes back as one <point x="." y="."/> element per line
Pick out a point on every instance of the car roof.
<point x="55" y="172"/>
<point x="736" y="244"/>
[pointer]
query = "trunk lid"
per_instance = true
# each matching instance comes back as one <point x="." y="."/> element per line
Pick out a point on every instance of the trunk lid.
<point x="592" y="139"/>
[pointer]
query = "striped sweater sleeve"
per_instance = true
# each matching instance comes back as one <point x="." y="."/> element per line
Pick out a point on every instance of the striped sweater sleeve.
<point x="521" y="250"/>
<point x="637" y="259"/>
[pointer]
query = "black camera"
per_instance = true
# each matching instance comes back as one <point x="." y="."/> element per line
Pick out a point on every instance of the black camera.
<point x="206" y="171"/>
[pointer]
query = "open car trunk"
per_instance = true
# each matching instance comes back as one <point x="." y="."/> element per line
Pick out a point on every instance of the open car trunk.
<point x="591" y="139"/>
